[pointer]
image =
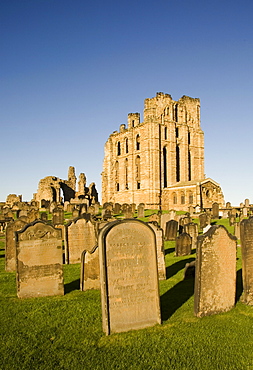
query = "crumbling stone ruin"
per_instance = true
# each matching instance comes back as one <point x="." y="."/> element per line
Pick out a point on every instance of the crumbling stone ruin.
<point x="54" y="189"/>
<point x="160" y="161"/>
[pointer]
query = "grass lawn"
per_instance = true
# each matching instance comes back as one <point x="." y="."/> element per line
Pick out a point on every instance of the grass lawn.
<point x="66" y="332"/>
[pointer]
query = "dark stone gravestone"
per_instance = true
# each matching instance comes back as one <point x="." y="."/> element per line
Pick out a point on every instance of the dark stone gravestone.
<point x="80" y="235"/>
<point x="108" y="206"/>
<point x="171" y="230"/>
<point x="215" y="276"/>
<point x="10" y="243"/>
<point x="58" y="216"/>
<point x="39" y="261"/>
<point x="192" y="230"/>
<point x="246" y="231"/>
<point x="189" y="270"/>
<point x="183" y="245"/>
<point x="90" y="276"/>
<point x="204" y="220"/>
<point x="129" y="278"/>
<point x="215" y="210"/>
<point x="140" y="210"/>
<point x="117" y="208"/>
<point x="44" y="216"/>
<point x="160" y="251"/>
<point x="107" y="214"/>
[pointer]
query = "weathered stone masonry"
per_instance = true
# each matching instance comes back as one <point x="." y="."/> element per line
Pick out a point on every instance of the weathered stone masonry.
<point x="159" y="162"/>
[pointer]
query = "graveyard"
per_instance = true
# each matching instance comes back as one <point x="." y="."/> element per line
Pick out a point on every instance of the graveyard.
<point x="67" y="327"/>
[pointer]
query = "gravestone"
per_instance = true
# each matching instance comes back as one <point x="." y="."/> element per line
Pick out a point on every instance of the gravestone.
<point x="245" y="212"/>
<point x="128" y="211"/>
<point x="183" y="245"/>
<point x="10" y="244"/>
<point x="33" y="215"/>
<point x="160" y="251"/>
<point x="228" y="205"/>
<point x="117" y="208"/>
<point x="232" y="219"/>
<point x="165" y="217"/>
<point x="39" y="261"/>
<point x="58" y="216"/>
<point x="44" y="216"/>
<point x="70" y="208"/>
<point x="129" y="278"/>
<point x="192" y="230"/>
<point x="171" y="230"/>
<point x="237" y="230"/>
<point x="215" y="275"/>
<point x="154" y="217"/>
<point x="215" y="210"/>
<point x="80" y="235"/>
<point x="204" y="220"/>
<point x="246" y="202"/>
<point x="133" y="206"/>
<point x="90" y="276"/>
<point x="246" y="231"/>
<point x="140" y="210"/>
<point x="75" y="213"/>
<point x="91" y="210"/>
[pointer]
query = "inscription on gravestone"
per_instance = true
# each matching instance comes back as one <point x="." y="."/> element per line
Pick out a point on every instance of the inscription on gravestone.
<point x="129" y="278"/>
<point x="39" y="261"/>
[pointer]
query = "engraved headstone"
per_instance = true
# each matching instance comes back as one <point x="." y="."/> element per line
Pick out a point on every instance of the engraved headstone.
<point x="171" y="230"/>
<point x="129" y="278"/>
<point x="140" y="210"/>
<point x="10" y="243"/>
<point x="90" y="276"/>
<point x="39" y="261"/>
<point x="215" y="275"/>
<point x="183" y="245"/>
<point x="58" y="216"/>
<point x="79" y="235"/>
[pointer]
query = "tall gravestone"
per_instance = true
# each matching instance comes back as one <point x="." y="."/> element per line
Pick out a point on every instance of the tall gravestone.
<point x="80" y="235"/>
<point x="10" y="244"/>
<point x="204" y="220"/>
<point x="215" y="210"/>
<point x="171" y="230"/>
<point x="215" y="275"/>
<point x="129" y="277"/>
<point x="58" y="216"/>
<point x="39" y="261"/>
<point x="246" y="231"/>
<point x="192" y="230"/>
<point x="140" y="210"/>
<point x="165" y="217"/>
<point x="160" y="251"/>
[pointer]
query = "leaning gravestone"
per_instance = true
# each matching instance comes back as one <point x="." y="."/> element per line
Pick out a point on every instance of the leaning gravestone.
<point x="171" y="230"/>
<point x="129" y="278"/>
<point x="79" y="235"/>
<point x="183" y="245"/>
<point x="246" y="231"/>
<point x="192" y="230"/>
<point x="39" y="261"/>
<point x="10" y="244"/>
<point x="90" y="276"/>
<point x="215" y="276"/>
<point x="160" y="251"/>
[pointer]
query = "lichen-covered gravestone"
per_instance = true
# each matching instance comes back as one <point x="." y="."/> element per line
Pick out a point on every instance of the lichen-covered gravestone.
<point x="80" y="235"/>
<point x="171" y="230"/>
<point x="183" y="245"/>
<point x="129" y="277"/>
<point x="215" y="275"/>
<point x="10" y="244"/>
<point x="246" y="231"/>
<point x="39" y="261"/>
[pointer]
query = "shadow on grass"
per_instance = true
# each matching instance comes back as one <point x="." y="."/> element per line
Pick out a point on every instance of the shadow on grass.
<point x="239" y="286"/>
<point x="173" y="269"/>
<point x="74" y="285"/>
<point x="169" y="250"/>
<point x="176" y="297"/>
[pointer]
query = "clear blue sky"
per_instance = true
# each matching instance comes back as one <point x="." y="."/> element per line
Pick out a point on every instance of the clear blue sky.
<point x="71" y="71"/>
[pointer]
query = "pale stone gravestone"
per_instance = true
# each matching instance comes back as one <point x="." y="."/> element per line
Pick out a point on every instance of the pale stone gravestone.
<point x="133" y="206"/>
<point x="129" y="212"/>
<point x="215" y="276"/>
<point x="165" y="217"/>
<point x="197" y="209"/>
<point x="160" y="251"/>
<point x="39" y="261"/>
<point x="124" y="208"/>
<point x="171" y="230"/>
<point x="66" y="204"/>
<point x="237" y="230"/>
<point x="129" y="277"/>
<point x="225" y="213"/>
<point x="215" y="210"/>
<point x="154" y="217"/>
<point x="70" y="208"/>
<point x="204" y="220"/>
<point x="228" y="205"/>
<point x="58" y="216"/>
<point x="10" y="243"/>
<point x="80" y="235"/>
<point x="232" y="219"/>
<point x="75" y="213"/>
<point x="246" y="202"/>
<point x="246" y="231"/>
<point x="90" y="276"/>
<point x="192" y="230"/>
<point x="33" y="215"/>
<point x="52" y="206"/>
<point x="140" y="210"/>
<point x="172" y="214"/>
<point x="245" y="212"/>
<point x="183" y="245"/>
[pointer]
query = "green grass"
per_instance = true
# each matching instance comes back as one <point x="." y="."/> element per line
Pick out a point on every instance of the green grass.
<point x="66" y="332"/>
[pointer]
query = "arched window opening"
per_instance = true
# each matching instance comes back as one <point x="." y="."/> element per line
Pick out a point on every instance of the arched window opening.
<point x="189" y="138"/>
<point x="176" y="112"/>
<point x="126" y="142"/>
<point x="189" y="166"/>
<point x="164" y="167"/>
<point x="118" y="148"/>
<point x="117" y="186"/>
<point x="174" y="196"/>
<point x="177" y="163"/>
<point x="138" y="143"/>
<point x="138" y="171"/>
<point x="165" y="133"/>
<point x="177" y="132"/>
<point x="126" y="174"/>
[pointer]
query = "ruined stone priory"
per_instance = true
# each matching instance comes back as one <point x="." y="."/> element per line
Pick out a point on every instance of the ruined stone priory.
<point x="160" y="161"/>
